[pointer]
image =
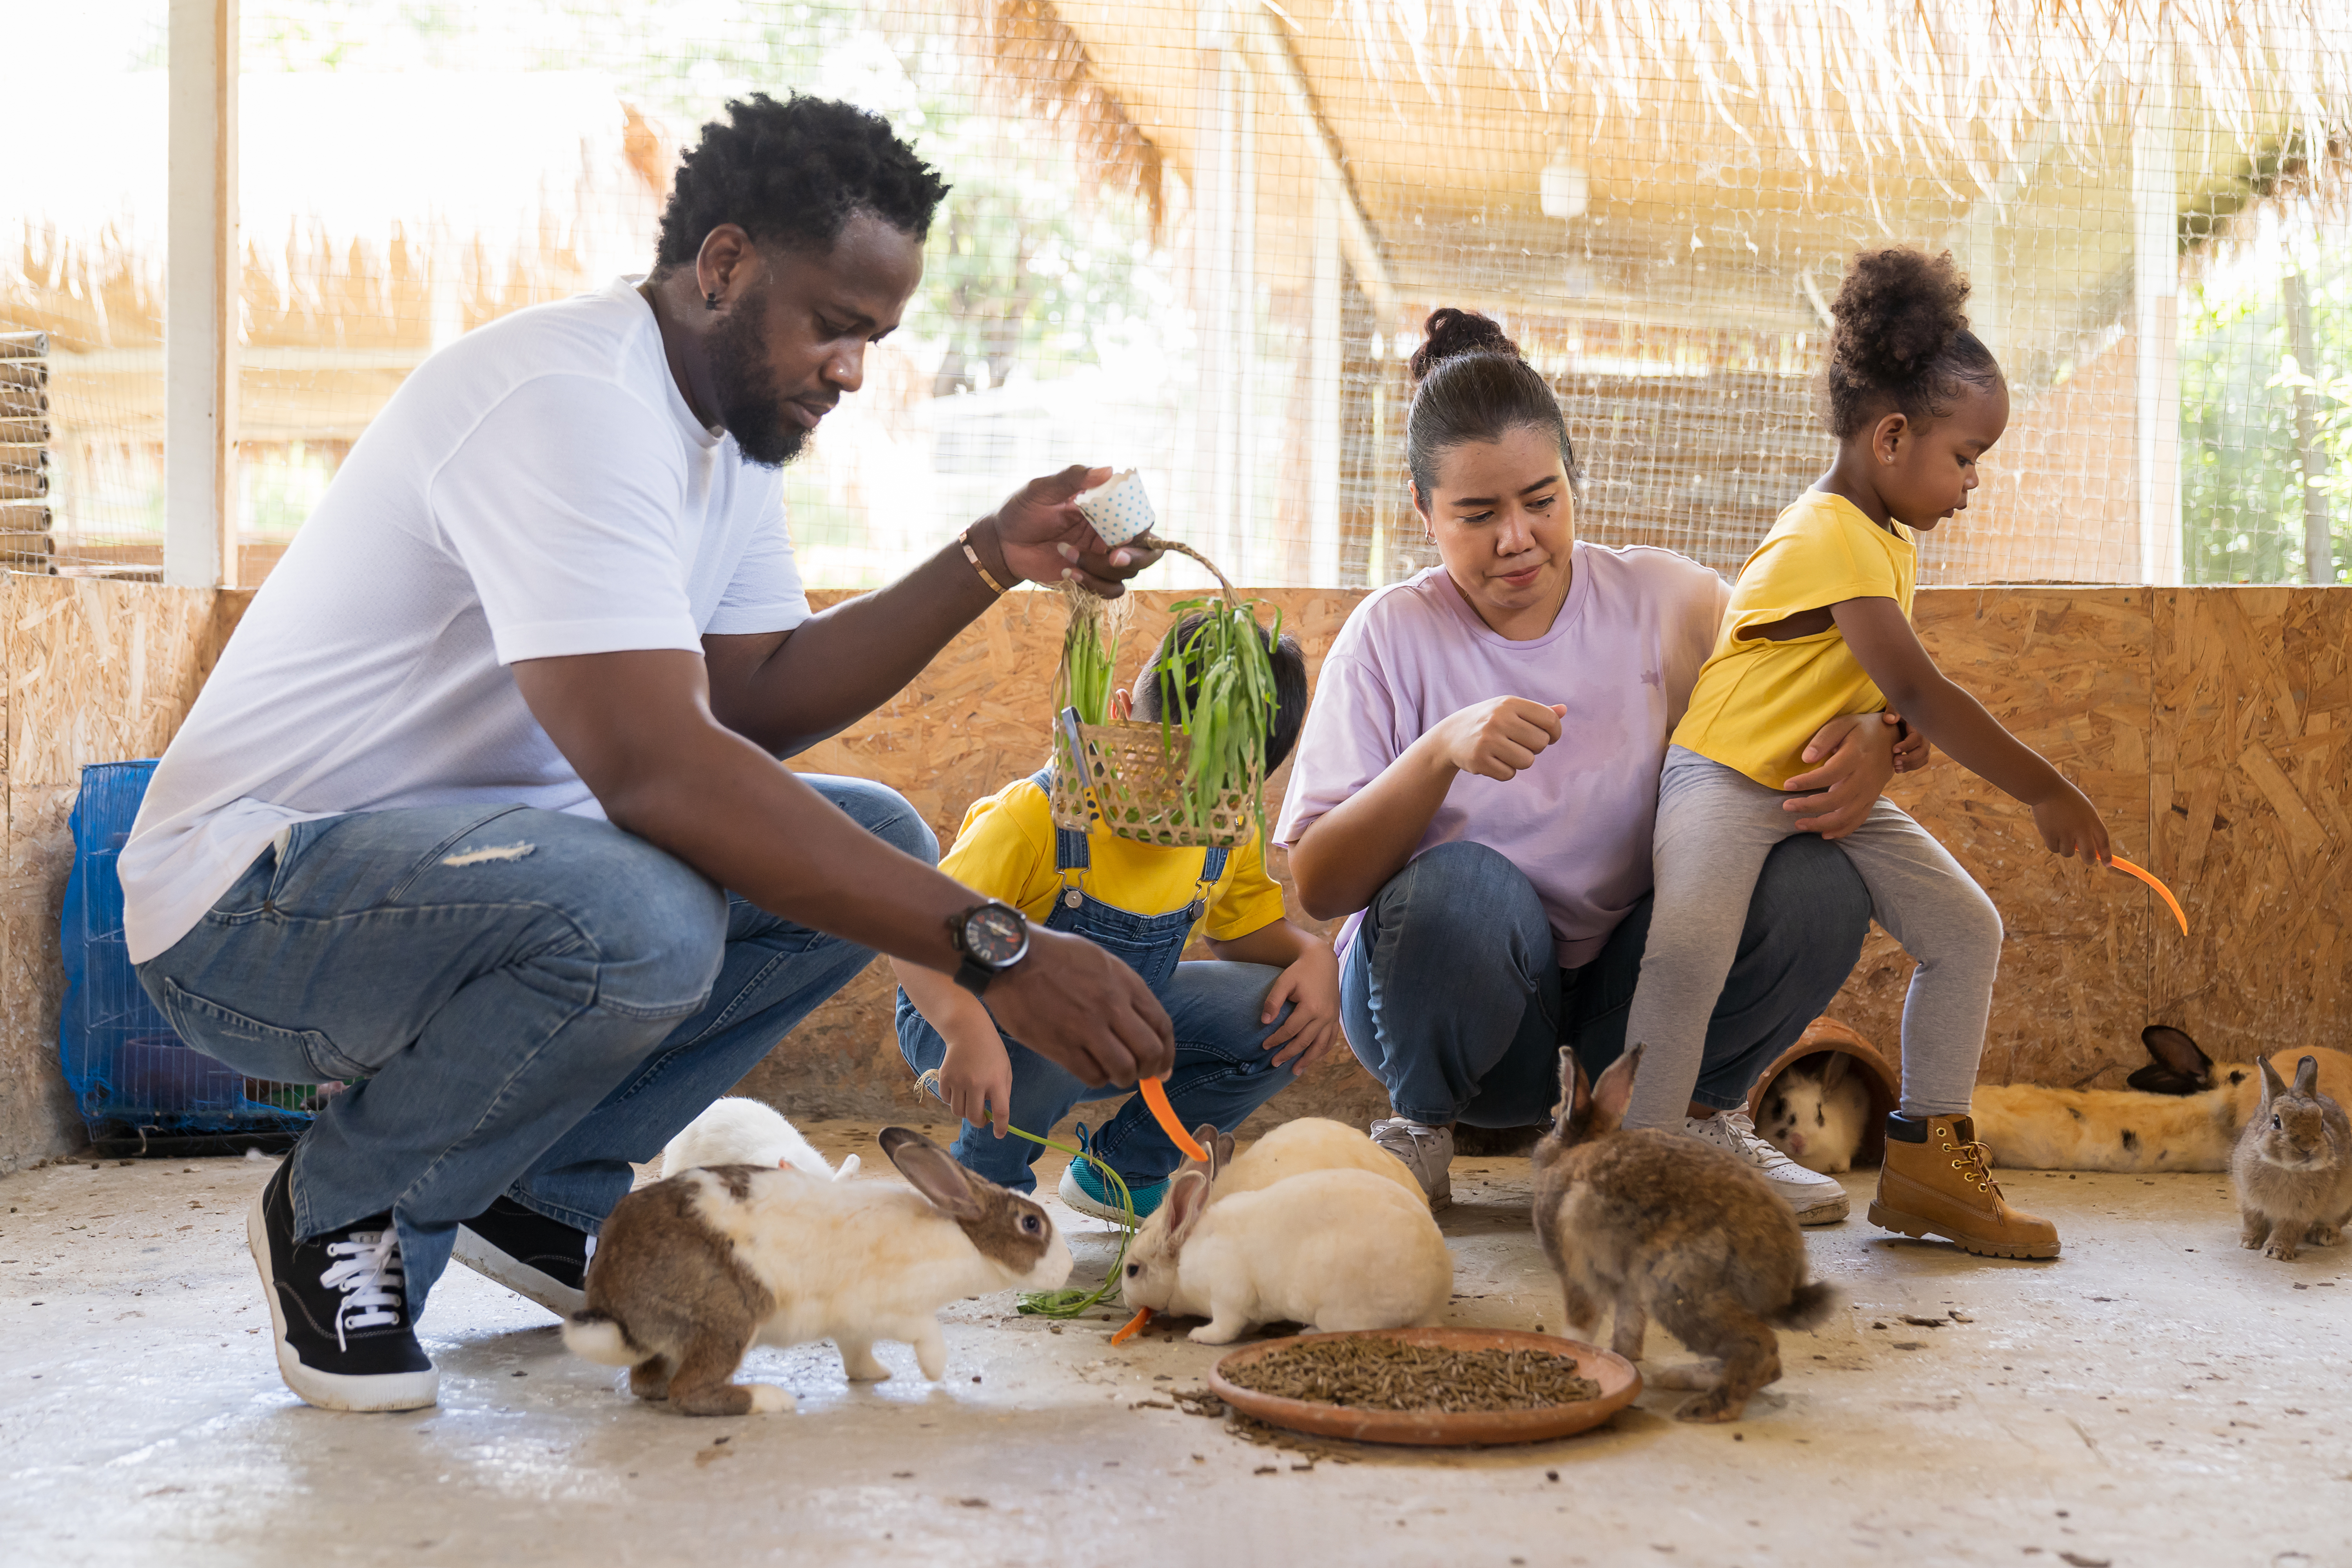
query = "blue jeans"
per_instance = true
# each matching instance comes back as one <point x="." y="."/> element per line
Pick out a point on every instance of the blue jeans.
<point x="1454" y="999"/>
<point x="524" y="1024"/>
<point x="1223" y="1072"/>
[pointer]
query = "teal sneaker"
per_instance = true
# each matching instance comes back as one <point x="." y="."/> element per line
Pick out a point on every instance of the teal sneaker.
<point x="1085" y="1190"/>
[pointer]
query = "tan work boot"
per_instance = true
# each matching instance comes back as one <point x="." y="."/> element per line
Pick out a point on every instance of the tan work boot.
<point x="1937" y="1181"/>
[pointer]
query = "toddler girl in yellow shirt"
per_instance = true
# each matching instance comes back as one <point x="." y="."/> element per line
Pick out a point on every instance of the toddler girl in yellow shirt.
<point x="1819" y="625"/>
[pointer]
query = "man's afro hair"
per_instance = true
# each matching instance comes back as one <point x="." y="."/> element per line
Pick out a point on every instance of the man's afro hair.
<point x="794" y="172"/>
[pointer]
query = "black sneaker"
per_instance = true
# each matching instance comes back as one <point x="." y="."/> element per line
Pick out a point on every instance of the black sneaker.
<point x="529" y="1253"/>
<point x="345" y="1341"/>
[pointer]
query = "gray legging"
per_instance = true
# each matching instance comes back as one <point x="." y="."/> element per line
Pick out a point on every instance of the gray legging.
<point x="1715" y="828"/>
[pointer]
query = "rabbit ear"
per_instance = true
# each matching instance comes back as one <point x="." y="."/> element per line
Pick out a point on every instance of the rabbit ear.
<point x="1188" y="1198"/>
<point x="932" y="1172"/>
<point x="1833" y="1071"/>
<point x="2272" y="1087"/>
<point x="1223" y="1150"/>
<point x="2306" y="1076"/>
<point x="1575" y="1106"/>
<point x="2175" y="1064"/>
<point x="1615" y="1089"/>
<point x="1205" y="1135"/>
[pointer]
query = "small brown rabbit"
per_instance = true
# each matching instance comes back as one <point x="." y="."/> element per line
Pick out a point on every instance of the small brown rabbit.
<point x="1651" y="1222"/>
<point x="2293" y="1169"/>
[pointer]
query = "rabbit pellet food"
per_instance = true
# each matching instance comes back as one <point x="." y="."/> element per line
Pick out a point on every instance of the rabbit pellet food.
<point x="1372" y="1373"/>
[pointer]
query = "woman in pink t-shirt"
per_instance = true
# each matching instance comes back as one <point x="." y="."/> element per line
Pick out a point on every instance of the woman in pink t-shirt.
<point x="1476" y="781"/>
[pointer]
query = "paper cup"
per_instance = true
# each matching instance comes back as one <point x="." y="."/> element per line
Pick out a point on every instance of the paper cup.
<point x="1119" y="510"/>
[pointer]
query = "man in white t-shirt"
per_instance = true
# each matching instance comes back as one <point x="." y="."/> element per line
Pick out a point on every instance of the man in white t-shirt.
<point x="454" y="816"/>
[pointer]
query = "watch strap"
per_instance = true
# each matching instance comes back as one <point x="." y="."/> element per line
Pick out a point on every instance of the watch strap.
<point x="974" y="976"/>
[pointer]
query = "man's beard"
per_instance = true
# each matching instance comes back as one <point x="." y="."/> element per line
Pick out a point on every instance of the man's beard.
<point x="751" y="408"/>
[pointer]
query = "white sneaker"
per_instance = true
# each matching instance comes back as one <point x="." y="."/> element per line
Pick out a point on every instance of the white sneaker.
<point x="1817" y="1199"/>
<point x="1427" y="1152"/>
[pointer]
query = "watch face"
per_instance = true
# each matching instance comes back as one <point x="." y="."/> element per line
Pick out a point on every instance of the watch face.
<point x="994" y="935"/>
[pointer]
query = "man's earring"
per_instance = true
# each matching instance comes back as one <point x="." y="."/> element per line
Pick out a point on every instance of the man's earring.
<point x="710" y="300"/>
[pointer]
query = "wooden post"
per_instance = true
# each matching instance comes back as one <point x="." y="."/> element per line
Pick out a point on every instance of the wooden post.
<point x="1324" y="369"/>
<point x="2155" y="318"/>
<point x="2318" y="543"/>
<point x="200" y="299"/>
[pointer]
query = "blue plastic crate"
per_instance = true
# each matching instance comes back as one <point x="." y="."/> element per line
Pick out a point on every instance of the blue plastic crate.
<point x="130" y="1071"/>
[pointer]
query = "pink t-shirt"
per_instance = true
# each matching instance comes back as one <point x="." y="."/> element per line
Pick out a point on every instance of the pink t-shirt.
<point x="1622" y="658"/>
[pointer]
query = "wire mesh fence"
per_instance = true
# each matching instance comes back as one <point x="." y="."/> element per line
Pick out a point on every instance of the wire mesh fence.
<point x="1198" y="236"/>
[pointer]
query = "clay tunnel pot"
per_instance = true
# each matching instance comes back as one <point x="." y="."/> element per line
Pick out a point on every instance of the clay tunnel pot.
<point x="1829" y="1035"/>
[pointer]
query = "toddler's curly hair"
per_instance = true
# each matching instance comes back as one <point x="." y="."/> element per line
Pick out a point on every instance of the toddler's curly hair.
<point x="1901" y="343"/>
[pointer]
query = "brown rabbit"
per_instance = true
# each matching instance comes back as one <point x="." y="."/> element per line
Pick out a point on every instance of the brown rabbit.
<point x="1651" y="1222"/>
<point x="2293" y="1169"/>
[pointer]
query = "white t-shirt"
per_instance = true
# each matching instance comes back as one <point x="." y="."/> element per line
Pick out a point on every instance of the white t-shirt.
<point x="1621" y="656"/>
<point x="538" y="489"/>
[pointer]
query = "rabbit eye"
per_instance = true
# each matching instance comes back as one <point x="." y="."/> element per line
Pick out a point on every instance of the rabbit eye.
<point x="1029" y="1223"/>
<point x="1133" y="1269"/>
<point x="2274" y="1120"/>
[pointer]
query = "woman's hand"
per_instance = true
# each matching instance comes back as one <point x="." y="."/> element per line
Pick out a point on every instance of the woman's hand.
<point x="1499" y="737"/>
<point x="976" y="1080"/>
<point x="1855" y="758"/>
<point x="1039" y="535"/>
<point x="1311" y="986"/>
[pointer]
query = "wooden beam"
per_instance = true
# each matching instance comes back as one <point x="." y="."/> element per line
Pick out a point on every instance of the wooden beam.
<point x="200" y="280"/>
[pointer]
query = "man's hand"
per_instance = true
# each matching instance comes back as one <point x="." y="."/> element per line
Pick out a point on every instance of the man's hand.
<point x="1311" y="987"/>
<point x="1079" y="1007"/>
<point x="1855" y="758"/>
<point x="1499" y="737"/>
<point x="1042" y="537"/>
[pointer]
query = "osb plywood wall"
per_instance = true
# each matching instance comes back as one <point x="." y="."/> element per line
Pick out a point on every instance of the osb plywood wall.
<point x="96" y="672"/>
<point x="2207" y="722"/>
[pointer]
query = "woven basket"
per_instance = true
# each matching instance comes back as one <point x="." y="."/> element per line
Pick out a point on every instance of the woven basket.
<point x="1131" y="776"/>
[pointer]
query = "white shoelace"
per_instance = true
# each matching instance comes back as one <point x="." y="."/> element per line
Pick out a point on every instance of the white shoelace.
<point x="367" y="1271"/>
<point x="1749" y="1144"/>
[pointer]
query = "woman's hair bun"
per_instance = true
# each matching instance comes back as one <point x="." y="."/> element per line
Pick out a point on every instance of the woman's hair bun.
<point x="1896" y="313"/>
<point x="1450" y="333"/>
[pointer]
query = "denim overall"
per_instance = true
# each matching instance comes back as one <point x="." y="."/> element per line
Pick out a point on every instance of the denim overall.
<point x="1220" y="1074"/>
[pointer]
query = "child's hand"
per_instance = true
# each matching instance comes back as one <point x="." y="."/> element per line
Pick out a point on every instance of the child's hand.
<point x="1311" y="986"/>
<point x="2070" y="825"/>
<point x="1912" y="751"/>
<point x="976" y="1080"/>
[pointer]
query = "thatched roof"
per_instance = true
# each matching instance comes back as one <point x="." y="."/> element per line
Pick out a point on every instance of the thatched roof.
<point x="1760" y="142"/>
<point x="378" y="212"/>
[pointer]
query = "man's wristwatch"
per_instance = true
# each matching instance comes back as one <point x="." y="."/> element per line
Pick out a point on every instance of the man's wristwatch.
<point x="992" y="938"/>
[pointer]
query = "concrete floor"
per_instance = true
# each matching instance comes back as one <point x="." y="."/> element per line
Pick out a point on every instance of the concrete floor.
<point x="2156" y="1397"/>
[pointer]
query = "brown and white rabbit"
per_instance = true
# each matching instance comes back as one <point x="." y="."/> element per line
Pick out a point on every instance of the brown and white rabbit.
<point x="738" y="1131"/>
<point x="2294" y="1166"/>
<point x="2182" y="1112"/>
<point x="1654" y="1224"/>
<point x="692" y="1271"/>
<point x="1817" y="1112"/>
<point x="1332" y="1249"/>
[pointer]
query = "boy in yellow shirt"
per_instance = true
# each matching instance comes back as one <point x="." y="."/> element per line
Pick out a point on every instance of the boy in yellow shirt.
<point x="1263" y="1009"/>
<point x="1819" y="625"/>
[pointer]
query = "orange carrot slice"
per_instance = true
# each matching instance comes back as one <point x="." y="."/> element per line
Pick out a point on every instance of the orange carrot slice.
<point x="2119" y="863"/>
<point x="1134" y="1324"/>
<point x="1155" y="1095"/>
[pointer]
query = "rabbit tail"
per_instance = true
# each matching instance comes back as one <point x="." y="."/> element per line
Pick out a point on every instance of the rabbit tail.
<point x="599" y="1337"/>
<point x="1808" y="1309"/>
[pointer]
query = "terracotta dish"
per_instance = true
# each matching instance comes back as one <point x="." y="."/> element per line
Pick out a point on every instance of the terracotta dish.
<point x="1621" y="1385"/>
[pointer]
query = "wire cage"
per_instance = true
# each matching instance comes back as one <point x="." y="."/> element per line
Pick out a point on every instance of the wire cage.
<point x="131" y="1075"/>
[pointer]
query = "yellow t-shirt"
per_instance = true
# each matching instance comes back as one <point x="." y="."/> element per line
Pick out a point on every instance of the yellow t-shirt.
<point x="1759" y="701"/>
<point x="1004" y="849"/>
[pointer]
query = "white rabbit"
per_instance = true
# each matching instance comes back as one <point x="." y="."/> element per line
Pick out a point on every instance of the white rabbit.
<point x="692" y="1271"/>
<point x="1309" y="1144"/>
<point x="735" y="1132"/>
<point x="1817" y="1112"/>
<point x="1333" y="1249"/>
